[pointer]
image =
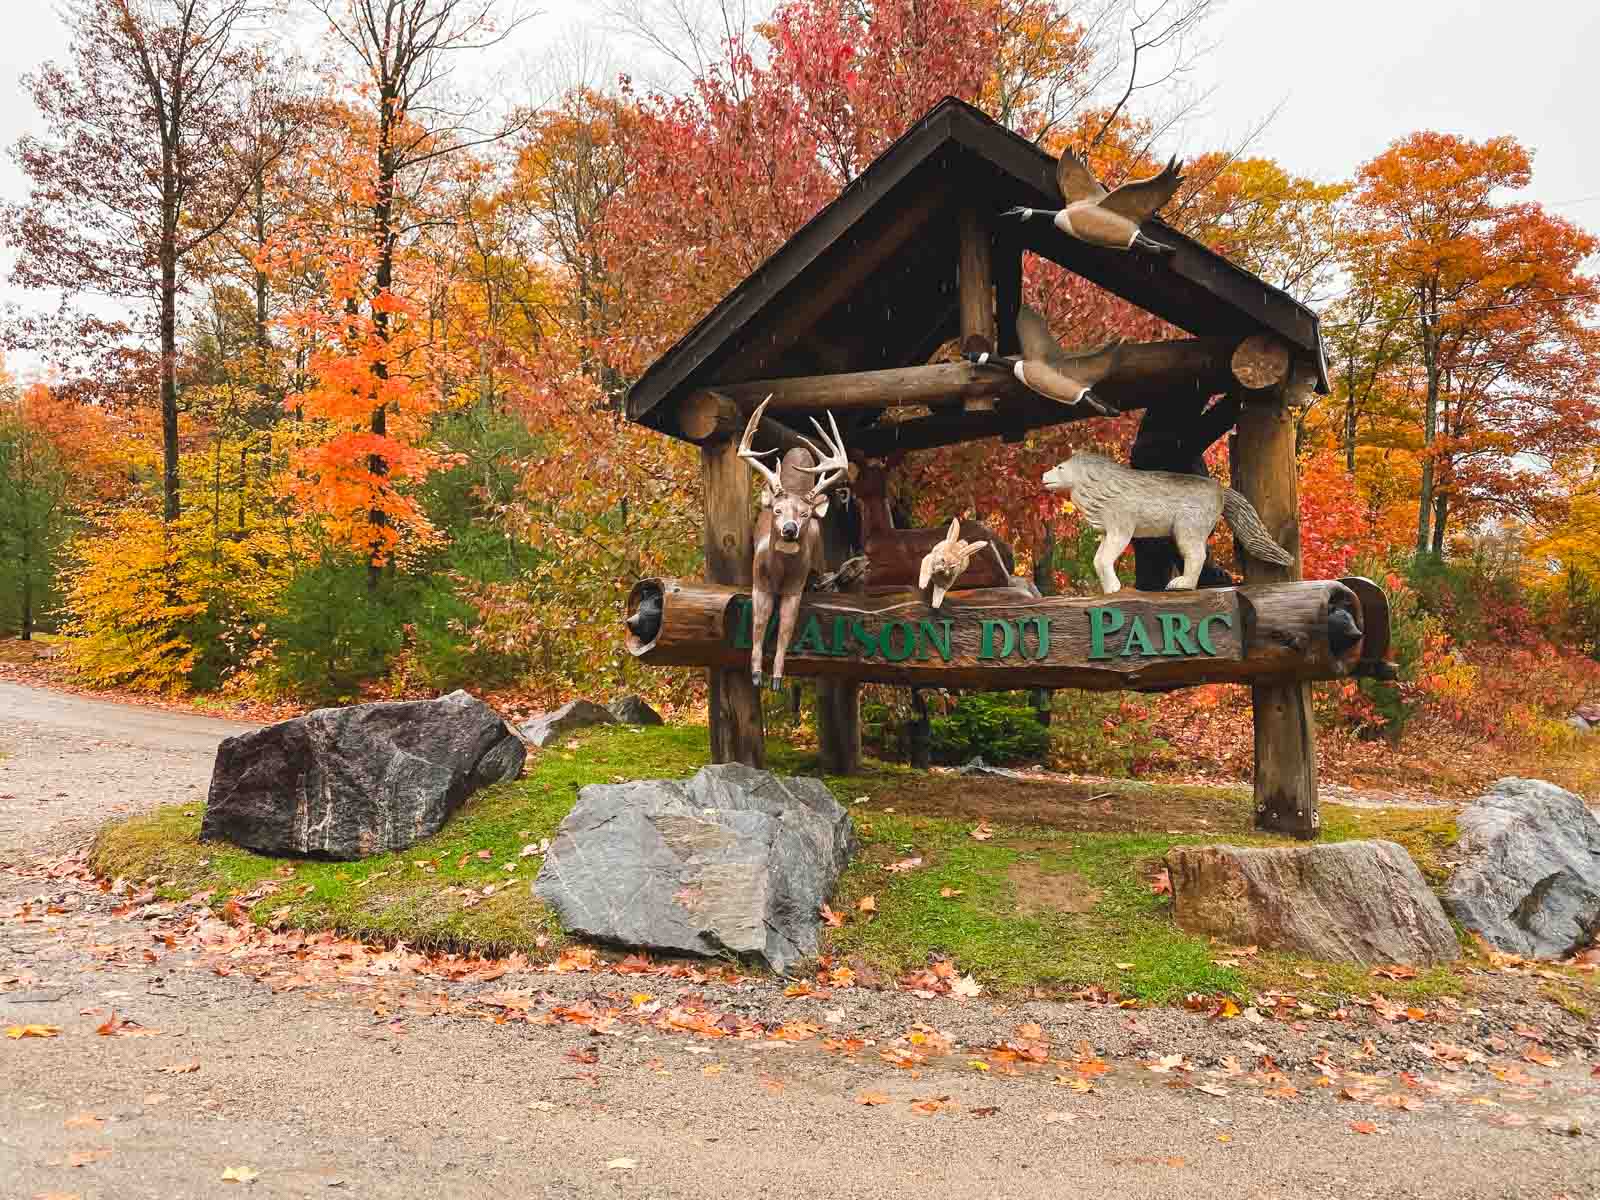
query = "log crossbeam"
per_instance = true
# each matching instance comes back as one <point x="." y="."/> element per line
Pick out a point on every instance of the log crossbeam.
<point x="1146" y="374"/>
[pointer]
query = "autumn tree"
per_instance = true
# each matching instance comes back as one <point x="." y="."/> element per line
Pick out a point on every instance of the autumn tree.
<point x="402" y="51"/>
<point x="55" y="463"/>
<point x="135" y="174"/>
<point x="1500" y="307"/>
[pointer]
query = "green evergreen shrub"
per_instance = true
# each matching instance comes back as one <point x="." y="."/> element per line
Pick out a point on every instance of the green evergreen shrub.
<point x="1001" y="727"/>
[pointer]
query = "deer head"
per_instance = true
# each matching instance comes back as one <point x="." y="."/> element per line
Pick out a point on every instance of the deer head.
<point x="943" y="565"/>
<point x="791" y="502"/>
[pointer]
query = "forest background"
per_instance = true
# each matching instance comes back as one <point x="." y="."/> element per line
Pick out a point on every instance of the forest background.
<point x="330" y="407"/>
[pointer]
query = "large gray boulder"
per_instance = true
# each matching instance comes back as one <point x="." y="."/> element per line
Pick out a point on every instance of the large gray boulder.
<point x="346" y="783"/>
<point x="1530" y="876"/>
<point x="544" y="728"/>
<point x="1362" y="902"/>
<point x="733" y="861"/>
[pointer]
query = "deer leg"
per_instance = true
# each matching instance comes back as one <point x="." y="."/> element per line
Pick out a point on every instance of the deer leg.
<point x="760" y="614"/>
<point x="788" y="610"/>
<point x="1112" y="544"/>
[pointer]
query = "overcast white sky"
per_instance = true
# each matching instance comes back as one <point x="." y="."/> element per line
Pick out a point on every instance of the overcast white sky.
<point x="1351" y="76"/>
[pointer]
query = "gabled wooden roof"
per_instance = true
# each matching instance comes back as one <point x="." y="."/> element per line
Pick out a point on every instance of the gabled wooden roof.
<point x="870" y="281"/>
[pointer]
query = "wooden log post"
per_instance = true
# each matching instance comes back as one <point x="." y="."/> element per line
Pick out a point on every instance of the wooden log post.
<point x="1263" y="464"/>
<point x="839" y="725"/>
<point x="976" y="284"/>
<point x="838" y="711"/>
<point x="735" y="704"/>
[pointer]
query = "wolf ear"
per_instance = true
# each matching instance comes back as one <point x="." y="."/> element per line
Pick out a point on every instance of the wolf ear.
<point x="927" y="572"/>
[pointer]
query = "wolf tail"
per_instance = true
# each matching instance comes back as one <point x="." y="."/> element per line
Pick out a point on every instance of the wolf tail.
<point x="1252" y="534"/>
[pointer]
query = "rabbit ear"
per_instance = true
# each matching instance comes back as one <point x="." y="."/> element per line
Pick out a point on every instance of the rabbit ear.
<point x="927" y="571"/>
<point x="974" y="547"/>
<point x="955" y="529"/>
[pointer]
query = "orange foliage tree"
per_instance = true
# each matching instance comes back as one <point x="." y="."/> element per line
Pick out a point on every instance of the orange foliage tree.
<point x="1506" y="359"/>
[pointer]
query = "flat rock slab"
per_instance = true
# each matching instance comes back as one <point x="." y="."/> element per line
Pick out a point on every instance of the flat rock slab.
<point x="1361" y="902"/>
<point x="1530" y="879"/>
<point x="734" y="861"/>
<point x="544" y="728"/>
<point x="633" y="710"/>
<point x="976" y="766"/>
<point x="346" y="783"/>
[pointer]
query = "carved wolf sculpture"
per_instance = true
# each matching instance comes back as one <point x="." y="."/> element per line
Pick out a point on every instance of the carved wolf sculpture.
<point x="1124" y="504"/>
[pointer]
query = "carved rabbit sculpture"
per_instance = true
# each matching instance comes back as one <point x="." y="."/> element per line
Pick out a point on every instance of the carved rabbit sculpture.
<point x="943" y="565"/>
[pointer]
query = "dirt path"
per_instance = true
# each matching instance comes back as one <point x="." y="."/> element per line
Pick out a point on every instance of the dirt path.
<point x="67" y="763"/>
<point x="374" y="1082"/>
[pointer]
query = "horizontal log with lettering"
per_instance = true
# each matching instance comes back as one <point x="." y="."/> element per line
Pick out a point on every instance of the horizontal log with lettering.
<point x="1003" y="638"/>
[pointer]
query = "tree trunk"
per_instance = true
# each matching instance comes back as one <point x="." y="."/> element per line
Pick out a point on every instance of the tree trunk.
<point x="383" y="231"/>
<point x="169" y="377"/>
<point x="1430" y="423"/>
<point x="1441" y="510"/>
<point x="27" y="589"/>
<point x="263" y="293"/>
<point x="1350" y="423"/>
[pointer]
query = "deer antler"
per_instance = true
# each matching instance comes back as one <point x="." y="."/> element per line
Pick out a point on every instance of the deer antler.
<point x="831" y="465"/>
<point x="754" y="457"/>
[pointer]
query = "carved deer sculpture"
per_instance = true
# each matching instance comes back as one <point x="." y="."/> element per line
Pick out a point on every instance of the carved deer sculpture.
<point x="788" y="536"/>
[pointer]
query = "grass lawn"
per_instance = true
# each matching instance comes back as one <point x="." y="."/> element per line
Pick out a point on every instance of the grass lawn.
<point x="1058" y="897"/>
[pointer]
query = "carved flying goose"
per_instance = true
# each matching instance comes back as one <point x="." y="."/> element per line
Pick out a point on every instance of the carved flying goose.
<point x="1107" y="219"/>
<point x="1044" y="367"/>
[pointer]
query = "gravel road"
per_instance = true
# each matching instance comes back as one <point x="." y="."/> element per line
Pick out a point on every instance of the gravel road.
<point x="325" y="1090"/>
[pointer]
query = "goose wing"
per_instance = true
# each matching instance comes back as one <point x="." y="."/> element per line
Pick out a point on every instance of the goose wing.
<point x="1035" y="337"/>
<point x="1040" y="345"/>
<point x="1075" y="180"/>
<point x="1139" y="199"/>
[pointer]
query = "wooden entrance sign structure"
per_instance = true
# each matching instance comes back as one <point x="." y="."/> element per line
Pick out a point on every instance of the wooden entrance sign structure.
<point x="912" y="257"/>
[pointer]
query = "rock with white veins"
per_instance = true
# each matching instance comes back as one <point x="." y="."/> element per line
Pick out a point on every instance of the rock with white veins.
<point x="734" y="861"/>
<point x="1529" y="881"/>
<point x="346" y="783"/>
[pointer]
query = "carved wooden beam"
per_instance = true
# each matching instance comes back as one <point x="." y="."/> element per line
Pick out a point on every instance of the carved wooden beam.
<point x="1145" y="374"/>
<point x="975" y="286"/>
<point x="1004" y="638"/>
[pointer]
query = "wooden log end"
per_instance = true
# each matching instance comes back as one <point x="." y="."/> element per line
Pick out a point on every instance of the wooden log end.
<point x="1260" y="361"/>
<point x="705" y="414"/>
<point x="642" y="616"/>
